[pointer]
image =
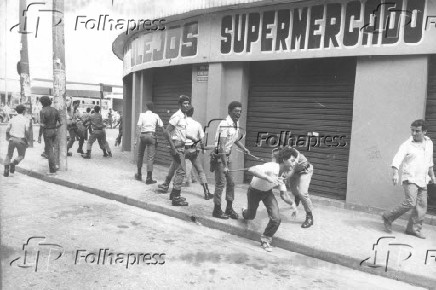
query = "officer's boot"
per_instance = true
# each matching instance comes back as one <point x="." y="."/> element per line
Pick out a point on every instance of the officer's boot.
<point x="6" y="171"/>
<point x="149" y="179"/>
<point x="207" y="194"/>
<point x="87" y="155"/>
<point x="12" y="166"/>
<point x="105" y="153"/>
<point x="138" y="175"/>
<point x="80" y="150"/>
<point x="163" y="188"/>
<point x="309" y="221"/>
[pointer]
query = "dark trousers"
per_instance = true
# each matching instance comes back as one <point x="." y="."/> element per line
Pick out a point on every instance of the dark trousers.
<point x="50" y="140"/>
<point x="147" y="143"/>
<point x="254" y="196"/>
<point x="180" y="164"/>
<point x="18" y="143"/>
<point x="100" y="136"/>
<point x="220" y="181"/>
<point x="75" y="133"/>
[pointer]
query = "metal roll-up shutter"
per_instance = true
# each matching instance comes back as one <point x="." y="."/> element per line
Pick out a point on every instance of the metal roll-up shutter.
<point x="430" y="117"/>
<point x="303" y="96"/>
<point x="168" y="84"/>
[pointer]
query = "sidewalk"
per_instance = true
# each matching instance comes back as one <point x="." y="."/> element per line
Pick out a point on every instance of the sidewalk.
<point x="339" y="235"/>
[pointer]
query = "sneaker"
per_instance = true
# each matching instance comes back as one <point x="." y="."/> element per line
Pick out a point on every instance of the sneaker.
<point x="231" y="213"/>
<point x="388" y="225"/>
<point x="266" y="246"/>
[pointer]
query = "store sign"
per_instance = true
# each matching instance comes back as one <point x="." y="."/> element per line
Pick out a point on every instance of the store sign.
<point x="304" y="29"/>
<point x="174" y="42"/>
<point x="202" y="73"/>
<point x="325" y="26"/>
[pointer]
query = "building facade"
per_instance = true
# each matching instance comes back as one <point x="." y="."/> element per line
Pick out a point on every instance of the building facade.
<point x="340" y="80"/>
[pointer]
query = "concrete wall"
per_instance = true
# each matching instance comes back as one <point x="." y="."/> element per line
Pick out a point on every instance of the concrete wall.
<point x="390" y="93"/>
<point x="127" y="113"/>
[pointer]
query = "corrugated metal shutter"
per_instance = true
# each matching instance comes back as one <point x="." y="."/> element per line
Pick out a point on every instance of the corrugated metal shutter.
<point x="168" y="84"/>
<point x="304" y="96"/>
<point x="430" y="117"/>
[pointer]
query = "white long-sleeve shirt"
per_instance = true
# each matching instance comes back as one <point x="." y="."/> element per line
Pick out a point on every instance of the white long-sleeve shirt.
<point x="417" y="158"/>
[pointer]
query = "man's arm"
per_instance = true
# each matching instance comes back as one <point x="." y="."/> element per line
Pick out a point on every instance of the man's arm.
<point x="432" y="176"/>
<point x="8" y="129"/>
<point x="241" y="146"/>
<point x="396" y="163"/>
<point x="170" y="128"/>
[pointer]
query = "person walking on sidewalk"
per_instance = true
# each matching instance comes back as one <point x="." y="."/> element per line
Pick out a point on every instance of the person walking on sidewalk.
<point x="147" y="125"/>
<point x="17" y="133"/>
<point x="175" y="133"/>
<point x="98" y="133"/>
<point x="50" y="122"/>
<point x="226" y="135"/>
<point x="266" y="177"/>
<point x="416" y="156"/>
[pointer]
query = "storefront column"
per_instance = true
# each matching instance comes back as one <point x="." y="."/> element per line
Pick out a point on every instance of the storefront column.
<point x="389" y="94"/>
<point x="127" y="113"/>
<point x="226" y="83"/>
<point x="136" y="109"/>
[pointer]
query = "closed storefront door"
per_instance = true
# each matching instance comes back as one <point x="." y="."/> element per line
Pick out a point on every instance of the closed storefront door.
<point x="307" y="104"/>
<point x="168" y="84"/>
<point x="430" y="117"/>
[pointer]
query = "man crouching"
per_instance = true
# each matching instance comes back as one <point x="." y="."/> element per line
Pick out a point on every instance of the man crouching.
<point x="266" y="177"/>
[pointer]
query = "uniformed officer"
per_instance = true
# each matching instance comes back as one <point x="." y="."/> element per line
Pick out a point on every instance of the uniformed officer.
<point x="98" y="133"/>
<point x="147" y="125"/>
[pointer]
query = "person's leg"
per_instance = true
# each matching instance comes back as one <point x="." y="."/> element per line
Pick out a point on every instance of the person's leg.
<point x="416" y="219"/>
<point x="253" y="199"/>
<point x="101" y="137"/>
<point x="151" y="151"/>
<point x="272" y="208"/>
<point x="409" y="202"/>
<point x="179" y="158"/>
<point x="8" y="157"/>
<point x="49" y="139"/>
<point x="91" y="140"/>
<point x="171" y="170"/>
<point x="21" y="148"/>
<point x="188" y="178"/>
<point x="139" y="162"/>
<point x="303" y="192"/>
<point x="220" y="180"/>
<point x="73" y="134"/>
<point x="230" y="193"/>
<point x="196" y="163"/>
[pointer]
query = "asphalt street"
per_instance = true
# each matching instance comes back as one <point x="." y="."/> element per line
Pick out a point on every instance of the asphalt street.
<point x="85" y="242"/>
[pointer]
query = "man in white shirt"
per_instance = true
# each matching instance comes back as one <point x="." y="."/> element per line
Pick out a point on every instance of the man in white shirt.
<point x="147" y="125"/>
<point x="17" y="134"/>
<point x="266" y="177"/>
<point x="416" y="156"/>
<point x="226" y="135"/>
<point x="175" y="133"/>
<point x="194" y="130"/>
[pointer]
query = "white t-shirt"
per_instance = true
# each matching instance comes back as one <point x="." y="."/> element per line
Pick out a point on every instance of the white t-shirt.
<point x="270" y="169"/>
<point x="193" y="129"/>
<point x="18" y="126"/>
<point x="178" y="120"/>
<point x="148" y="121"/>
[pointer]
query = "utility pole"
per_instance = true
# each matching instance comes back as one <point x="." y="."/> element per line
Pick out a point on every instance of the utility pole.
<point x="59" y="80"/>
<point x="23" y="68"/>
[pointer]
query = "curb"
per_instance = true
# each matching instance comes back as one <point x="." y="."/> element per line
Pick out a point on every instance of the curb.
<point x="327" y="256"/>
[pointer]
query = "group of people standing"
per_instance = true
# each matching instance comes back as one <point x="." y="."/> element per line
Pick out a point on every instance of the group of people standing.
<point x="290" y="170"/>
